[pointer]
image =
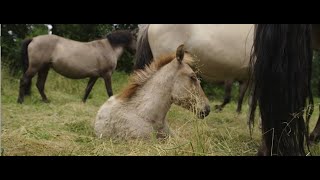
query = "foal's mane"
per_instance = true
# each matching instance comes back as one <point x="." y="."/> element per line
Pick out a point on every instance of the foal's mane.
<point x="141" y="76"/>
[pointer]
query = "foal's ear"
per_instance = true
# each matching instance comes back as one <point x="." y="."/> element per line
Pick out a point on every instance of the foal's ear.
<point x="180" y="53"/>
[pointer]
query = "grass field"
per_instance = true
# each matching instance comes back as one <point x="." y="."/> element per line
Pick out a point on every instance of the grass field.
<point x="65" y="125"/>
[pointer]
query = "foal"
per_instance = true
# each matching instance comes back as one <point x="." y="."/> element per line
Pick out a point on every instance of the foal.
<point x="141" y="109"/>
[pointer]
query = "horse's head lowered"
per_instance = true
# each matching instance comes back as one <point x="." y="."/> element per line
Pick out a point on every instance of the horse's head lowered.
<point x="123" y="38"/>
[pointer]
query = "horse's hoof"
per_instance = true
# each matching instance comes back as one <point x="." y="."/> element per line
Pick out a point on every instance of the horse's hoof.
<point x="46" y="101"/>
<point x="239" y="112"/>
<point x="20" y="101"/>
<point x="313" y="139"/>
<point x="218" y="108"/>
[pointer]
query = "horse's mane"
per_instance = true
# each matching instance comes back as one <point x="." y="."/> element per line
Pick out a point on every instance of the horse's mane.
<point x="141" y="76"/>
<point x="120" y="37"/>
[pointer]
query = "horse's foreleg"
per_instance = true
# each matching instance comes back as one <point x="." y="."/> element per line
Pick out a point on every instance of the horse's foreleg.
<point x="42" y="77"/>
<point x="107" y="81"/>
<point x="242" y="91"/>
<point x="91" y="83"/>
<point x="227" y="95"/>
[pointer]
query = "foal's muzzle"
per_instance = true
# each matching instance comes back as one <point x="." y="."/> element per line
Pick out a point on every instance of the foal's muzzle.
<point x="204" y="113"/>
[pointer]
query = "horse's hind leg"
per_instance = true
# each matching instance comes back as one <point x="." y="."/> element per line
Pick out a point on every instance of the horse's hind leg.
<point x="107" y="81"/>
<point x="28" y="88"/>
<point x="91" y="83"/>
<point x="242" y="91"/>
<point x="25" y="81"/>
<point x="315" y="135"/>
<point x="42" y="77"/>
<point x="227" y="96"/>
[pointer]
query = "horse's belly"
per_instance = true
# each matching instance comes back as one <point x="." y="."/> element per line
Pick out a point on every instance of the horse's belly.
<point x="219" y="66"/>
<point x="223" y="51"/>
<point x="74" y="70"/>
<point x="218" y="73"/>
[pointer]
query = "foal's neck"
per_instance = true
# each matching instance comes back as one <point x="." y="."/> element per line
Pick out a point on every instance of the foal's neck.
<point x="154" y="98"/>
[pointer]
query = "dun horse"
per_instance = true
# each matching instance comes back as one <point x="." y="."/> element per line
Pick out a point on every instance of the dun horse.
<point x="72" y="59"/>
<point x="140" y="110"/>
<point x="223" y="50"/>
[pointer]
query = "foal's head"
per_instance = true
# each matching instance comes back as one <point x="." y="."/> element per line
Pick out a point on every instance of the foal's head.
<point x="123" y="38"/>
<point x="187" y="91"/>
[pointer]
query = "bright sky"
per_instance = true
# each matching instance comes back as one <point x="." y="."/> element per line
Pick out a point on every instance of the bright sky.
<point x="49" y="28"/>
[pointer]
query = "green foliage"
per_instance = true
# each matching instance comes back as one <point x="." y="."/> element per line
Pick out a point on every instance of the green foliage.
<point x="38" y="29"/>
<point x="11" y="38"/>
<point x="125" y="63"/>
<point x="13" y="34"/>
<point x="82" y="32"/>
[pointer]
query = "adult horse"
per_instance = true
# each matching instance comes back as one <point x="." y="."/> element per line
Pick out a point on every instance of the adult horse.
<point x="243" y="85"/>
<point x="223" y="50"/>
<point x="140" y="110"/>
<point x="281" y="65"/>
<point x="73" y="59"/>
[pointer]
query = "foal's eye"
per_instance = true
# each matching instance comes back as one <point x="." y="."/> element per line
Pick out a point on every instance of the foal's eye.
<point x="194" y="78"/>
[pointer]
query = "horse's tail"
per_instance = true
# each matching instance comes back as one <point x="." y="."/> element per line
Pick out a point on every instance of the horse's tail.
<point x="143" y="55"/>
<point x="281" y="68"/>
<point x="25" y="61"/>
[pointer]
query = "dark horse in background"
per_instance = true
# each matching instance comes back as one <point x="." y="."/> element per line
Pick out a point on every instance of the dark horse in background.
<point x="73" y="59"/>
<point x="281" y="65"/>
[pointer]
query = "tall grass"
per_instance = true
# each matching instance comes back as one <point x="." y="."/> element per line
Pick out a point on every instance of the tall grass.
<point x="65" y="125"/>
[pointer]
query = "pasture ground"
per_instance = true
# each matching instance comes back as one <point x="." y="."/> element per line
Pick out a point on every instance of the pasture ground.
<point x="64" y="127"/>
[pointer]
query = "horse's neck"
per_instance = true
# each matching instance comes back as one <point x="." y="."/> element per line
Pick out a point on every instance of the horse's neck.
<point x="154" y="98"/>
<point x="118" y="51"/>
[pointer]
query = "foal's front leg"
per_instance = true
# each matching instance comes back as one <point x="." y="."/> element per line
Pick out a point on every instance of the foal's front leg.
<point x="168" y="130"/>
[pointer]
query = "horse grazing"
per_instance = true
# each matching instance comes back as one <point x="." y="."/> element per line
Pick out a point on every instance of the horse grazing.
<point x="140" y="110"/>
<point x="223" y="50"/>
<point x="73" y="59"/>
<point x="281" y="66"/>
